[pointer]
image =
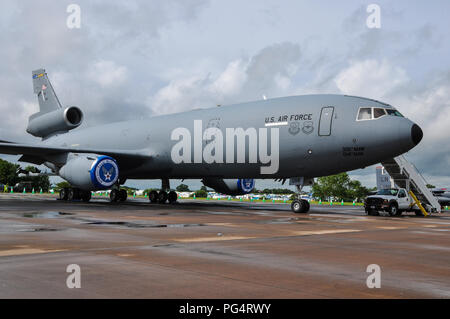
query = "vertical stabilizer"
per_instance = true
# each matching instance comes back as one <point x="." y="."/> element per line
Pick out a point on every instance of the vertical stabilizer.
<point x="48" y="101"/>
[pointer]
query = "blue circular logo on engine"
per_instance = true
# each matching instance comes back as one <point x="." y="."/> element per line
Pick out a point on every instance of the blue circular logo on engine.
<point x="246" y="185"/>
<point x="105" y="172"/>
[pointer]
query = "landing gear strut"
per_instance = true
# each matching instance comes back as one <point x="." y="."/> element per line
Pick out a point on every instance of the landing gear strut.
<point x="163" y="196"/>
<point x="300" y="206"/>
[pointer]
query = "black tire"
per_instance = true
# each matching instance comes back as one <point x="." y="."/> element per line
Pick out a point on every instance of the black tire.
<point x="71" y="194"/>
<point x="63" y="194"/>
<point x="299" y="206"/>
<point x="153" y="197"/>
<point x="114" y="195"/>
<point x="393" y="210"/>
<point x="162" y="197"/>
<point x="172" y="197"/>
<point x="123" y="195"/>
<point x="86" y="196"/>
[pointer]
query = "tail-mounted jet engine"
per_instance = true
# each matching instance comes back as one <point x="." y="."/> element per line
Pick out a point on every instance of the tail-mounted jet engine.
<point x="230" y="186"/>
<point x="90" y="173"/>
<point x="61" y="120"/>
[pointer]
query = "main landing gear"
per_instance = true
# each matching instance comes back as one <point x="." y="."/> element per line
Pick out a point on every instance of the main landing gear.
<point x="118" y="195"/>
<point x="163" y="196"/>
<point x="71" y="194"/>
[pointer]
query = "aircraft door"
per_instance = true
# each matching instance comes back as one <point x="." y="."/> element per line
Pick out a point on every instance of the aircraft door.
<point x="326" y="121"/>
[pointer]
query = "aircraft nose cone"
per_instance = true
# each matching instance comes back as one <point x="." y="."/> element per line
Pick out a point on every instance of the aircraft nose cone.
<point x="416" y="134"/>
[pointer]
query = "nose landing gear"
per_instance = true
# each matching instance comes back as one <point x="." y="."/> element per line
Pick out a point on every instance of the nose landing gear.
<point x="299" y="205"/>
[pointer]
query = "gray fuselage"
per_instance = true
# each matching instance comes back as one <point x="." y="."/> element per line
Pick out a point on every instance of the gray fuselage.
<point x="319" y="135"/>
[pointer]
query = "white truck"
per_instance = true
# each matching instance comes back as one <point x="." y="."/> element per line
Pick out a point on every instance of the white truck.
<point x="394" y="201"/>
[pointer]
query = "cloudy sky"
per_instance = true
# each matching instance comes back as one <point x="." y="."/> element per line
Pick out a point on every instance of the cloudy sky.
<point x="135" y="59"/>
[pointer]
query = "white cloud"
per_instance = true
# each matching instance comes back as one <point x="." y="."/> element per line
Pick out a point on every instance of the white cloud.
<point x="267" y="73"/>
<point x="371" y="78"/>
<point x="108" y="73"/>
<point x="231" y="80"/>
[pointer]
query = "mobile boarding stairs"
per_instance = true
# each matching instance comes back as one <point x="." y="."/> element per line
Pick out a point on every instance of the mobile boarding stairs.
<point x="406" y="175"/>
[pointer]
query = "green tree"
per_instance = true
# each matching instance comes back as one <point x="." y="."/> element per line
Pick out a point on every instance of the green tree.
<point x="37" y="182"/>
<point x="8" y="173"/>
<point x="182" y="188"/>
<point x="339" y="186"/>
<point x="62" y="185"/>
<point x="201" y="194"/>
<point x="430" y="186"/>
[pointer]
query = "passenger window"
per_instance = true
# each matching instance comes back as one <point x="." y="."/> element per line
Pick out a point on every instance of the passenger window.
<point x="378" y="113"/>
<point x="402" y="194"/>
<point x="365" y="113"/>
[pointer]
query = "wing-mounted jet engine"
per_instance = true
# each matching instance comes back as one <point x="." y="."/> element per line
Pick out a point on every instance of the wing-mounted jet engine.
<point x="90" y="173"/>
<point x="232" y="187"/>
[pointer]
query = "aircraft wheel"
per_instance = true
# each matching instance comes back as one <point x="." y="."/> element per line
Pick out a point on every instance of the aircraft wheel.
<point x="162" y="197"/>
<point x="86" y="196"/>
<point x="123" y="195"/>
<point x="71" y="194"/>
<point x="173" y="196"/>
<point x="63" y="194"/>
<point x="300" y="206"/>
<point x="114" y="195"/>
<point x="153" y="196"/>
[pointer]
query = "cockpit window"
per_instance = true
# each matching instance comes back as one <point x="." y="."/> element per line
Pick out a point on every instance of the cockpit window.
<point x="378" y="112"/>
<point x="393" y="112"/>
<point x="372" y="113"/>
<point x="365" y="113"/>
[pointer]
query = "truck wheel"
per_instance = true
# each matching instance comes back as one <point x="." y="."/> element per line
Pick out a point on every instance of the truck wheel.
<point x="393" y="210"/>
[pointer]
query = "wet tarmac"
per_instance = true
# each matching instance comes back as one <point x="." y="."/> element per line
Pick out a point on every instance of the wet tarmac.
<point x="216" y="249"/>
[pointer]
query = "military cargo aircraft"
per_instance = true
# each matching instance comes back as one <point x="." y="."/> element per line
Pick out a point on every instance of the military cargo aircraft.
<point x="227" y="147"/>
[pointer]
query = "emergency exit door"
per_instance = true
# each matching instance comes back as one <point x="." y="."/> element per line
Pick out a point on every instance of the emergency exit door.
<point x="326" y="120"/>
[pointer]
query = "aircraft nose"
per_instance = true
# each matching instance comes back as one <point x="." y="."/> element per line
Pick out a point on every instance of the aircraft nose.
<point x="416" y="134"/>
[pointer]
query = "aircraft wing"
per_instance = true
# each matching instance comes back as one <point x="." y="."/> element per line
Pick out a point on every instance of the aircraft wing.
<point x="37" y="153"/>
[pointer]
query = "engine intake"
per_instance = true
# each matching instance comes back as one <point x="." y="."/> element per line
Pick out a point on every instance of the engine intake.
<point x="230" y="186"/>
<point x="61" y="120"/>
<point x="90" y="173"/>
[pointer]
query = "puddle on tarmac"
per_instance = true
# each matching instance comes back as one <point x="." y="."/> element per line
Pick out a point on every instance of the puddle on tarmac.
<point x="38" y="229"/>
<point x="291" y="221"/>
<point x="48" y="215"/>
<point x="137" y="225"/>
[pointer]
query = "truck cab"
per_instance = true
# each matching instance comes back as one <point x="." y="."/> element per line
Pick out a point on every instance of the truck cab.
<point x="394" y="201"/>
